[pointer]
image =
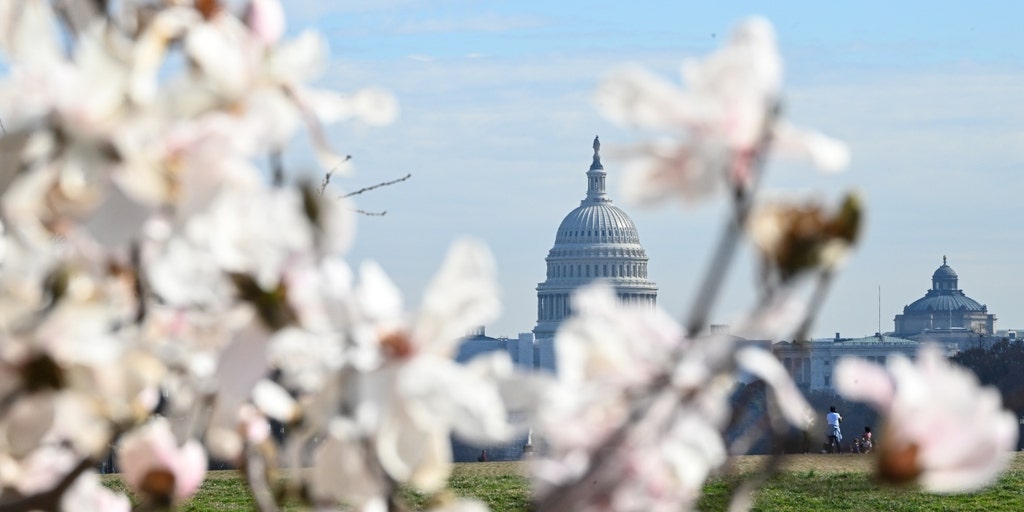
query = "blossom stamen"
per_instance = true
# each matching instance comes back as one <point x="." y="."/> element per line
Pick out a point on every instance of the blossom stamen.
<point x="898" y="465"/>
<point x="397" y="345"/>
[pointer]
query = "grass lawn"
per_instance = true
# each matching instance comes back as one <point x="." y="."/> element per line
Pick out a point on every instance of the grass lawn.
<point x="806" y="482"/>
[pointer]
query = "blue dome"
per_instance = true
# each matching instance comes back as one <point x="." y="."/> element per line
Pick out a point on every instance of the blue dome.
<point x="944" y="295"/>
<point x="944" y="272"/>
<point x="943" y="302"/>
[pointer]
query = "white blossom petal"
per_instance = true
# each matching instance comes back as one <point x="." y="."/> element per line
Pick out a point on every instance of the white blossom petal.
<point x="463" y="295"/>
<point x="942" y="429"/>
<point x="274" y="401"/>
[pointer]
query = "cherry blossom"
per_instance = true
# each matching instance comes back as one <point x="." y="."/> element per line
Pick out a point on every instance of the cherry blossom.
<point x="639" y="408"/>
<point x="942" y="429"/>
<point x="155" y="465"/>
<point x="419" y="394"/>
<point x="725" y="117"/>
<point x="160" y="294"/>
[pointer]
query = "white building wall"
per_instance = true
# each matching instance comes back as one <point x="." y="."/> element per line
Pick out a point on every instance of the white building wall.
<point x="812" y="365"/>
<point x="524" y="350"/>
<point x="545" y="354"/>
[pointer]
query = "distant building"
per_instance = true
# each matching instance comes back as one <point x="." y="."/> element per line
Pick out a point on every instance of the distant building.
<point x="596" y="240"/>
<point x="522" y="351"/>
<point x="811" y="364"/>
<point x="945" y="314"/>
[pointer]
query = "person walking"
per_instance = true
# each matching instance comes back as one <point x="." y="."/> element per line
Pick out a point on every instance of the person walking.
<point x="834" y="433"/>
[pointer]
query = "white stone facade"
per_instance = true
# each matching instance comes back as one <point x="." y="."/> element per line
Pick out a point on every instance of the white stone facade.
<point x="811" y="364"/>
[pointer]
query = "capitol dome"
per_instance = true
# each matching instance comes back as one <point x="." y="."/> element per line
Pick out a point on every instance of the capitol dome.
<point x="944" y="309"/>
<point x="596" y="240"/>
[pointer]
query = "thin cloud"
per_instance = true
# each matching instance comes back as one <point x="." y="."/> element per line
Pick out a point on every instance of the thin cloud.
<point x="484" y="23"/>
<point x="937" y="151"/>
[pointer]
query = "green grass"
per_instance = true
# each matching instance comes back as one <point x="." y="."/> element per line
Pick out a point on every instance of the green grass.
<point x="503" y="488"/>
<point x="858" y="492"/>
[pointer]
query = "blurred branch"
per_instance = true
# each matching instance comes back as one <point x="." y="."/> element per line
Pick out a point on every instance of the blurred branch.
<point x="817" y="300"/>
<point x="276" y="168"/>
<point x="49" y="499"/>
<point x="572" y="495"/>
<point x="743" y="198"/>
<point x="256" y="473"/>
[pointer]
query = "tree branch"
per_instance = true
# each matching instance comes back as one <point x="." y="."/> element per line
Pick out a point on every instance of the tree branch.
<point x="371" y="214"/>
<point x="326" y="181"/>
<point x="49" y="499"/>
<point x="379" y="185"/>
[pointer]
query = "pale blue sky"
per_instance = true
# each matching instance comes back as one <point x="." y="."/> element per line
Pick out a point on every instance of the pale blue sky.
<point x="496" y="124"/>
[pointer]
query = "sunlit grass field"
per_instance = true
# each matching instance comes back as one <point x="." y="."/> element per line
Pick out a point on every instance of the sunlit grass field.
<point x="806" y="482"/>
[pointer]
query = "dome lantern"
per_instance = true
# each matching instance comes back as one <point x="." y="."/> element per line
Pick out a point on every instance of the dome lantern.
<point x="944" y="278"/>
<point x="595" y="177"/>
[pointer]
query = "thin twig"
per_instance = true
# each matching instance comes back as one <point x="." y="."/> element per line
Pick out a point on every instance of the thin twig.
<point x="379" y="185"/>
<point x="326" y="181"/>
<point x="371" y="214"/>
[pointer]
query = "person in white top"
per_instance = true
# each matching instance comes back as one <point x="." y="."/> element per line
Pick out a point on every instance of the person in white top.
<point x="834" y="433"/>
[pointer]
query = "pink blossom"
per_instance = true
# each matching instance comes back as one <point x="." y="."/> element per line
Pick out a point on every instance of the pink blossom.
<point x="155" y="465"/>
<point x="942" y="429"/>
<point x="266" y="20"/>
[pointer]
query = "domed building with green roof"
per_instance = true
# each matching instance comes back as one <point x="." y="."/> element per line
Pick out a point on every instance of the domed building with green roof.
<point x="944" y="312"/>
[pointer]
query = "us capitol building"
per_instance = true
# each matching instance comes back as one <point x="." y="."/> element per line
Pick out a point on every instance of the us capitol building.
<point x="596" y="240"/>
